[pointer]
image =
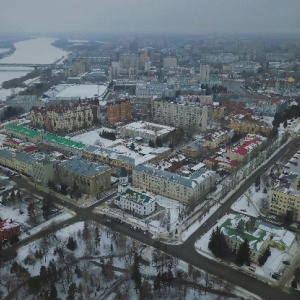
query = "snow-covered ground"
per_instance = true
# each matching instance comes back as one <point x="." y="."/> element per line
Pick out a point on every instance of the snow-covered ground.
<point x="250" y="203"/>
<point x="83" y="91"/>
<point x="93" y="138"/>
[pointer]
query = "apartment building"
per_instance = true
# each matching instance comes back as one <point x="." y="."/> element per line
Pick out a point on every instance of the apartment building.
<point x="8" y="229"/>
<point x="251" y="126"/>
<point x="118" y="111"/>
<point x="185" y="189"/>
<point x="213" y="140"/>
<point x="88" y="177"/>
<point x="285" y="197"/>
<point x="194" y="149"/>
<point x="186" y="115"/>
<point x="244" y="148"/>
<point x="64" y="118"/>
<point x="37" y="166"/>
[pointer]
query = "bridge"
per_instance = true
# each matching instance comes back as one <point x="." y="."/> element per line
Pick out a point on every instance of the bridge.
<point x="35" y="66"/>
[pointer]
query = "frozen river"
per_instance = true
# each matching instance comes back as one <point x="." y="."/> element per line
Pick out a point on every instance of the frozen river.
<point x="33" y="51"/>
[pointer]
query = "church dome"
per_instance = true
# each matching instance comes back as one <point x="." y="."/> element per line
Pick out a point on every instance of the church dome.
<point x="291" y="80"/>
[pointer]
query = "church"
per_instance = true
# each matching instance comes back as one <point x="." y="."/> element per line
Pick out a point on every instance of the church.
<point x="128" y="198"/>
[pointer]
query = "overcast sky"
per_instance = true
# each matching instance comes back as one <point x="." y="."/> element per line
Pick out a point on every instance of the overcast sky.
<point x="150" y="16"/>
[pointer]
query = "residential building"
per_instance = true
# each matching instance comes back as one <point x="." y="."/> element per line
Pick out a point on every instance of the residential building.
<point x="154" y="89"/>
<point x="8" y="229"/>
<point x="222" y="162"/>
<point x="244" y="148"/>
<point x="38" y="166"/>
<point x="194" y="149"/>
<point x="186" y="115"/>
<point x="65" y="118"/>
<point x="141" y="108"/>
<point x="285" y="197"/>
<point x="128" y="198"/>
<point x="251" y="126"/>
<point x="118" y="111"/>
<point x="214" y="139"/>
<point x="186" y="189"/>
<point x="204" y="73"/>
<point x="88" y="177"/>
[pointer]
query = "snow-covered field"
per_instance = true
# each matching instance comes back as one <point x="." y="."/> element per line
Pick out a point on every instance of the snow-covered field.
<point x="93" y="138"/>
<point x="83" y="91"/>
<point x="249" y="204"/>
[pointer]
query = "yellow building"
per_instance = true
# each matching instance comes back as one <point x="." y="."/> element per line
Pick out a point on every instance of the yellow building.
<point x="252" y="127"/>
<point x="285" y="197"/>
<point x="87" y="177"/>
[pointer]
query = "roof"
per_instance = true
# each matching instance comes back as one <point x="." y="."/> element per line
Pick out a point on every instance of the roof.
<point x="63" y="141"/>
<point x="138" y="197"/>
<point x="6" y="224"/>
<point x="256" y="238"/>
<point x="23" y="130"/>
<point x="247" y="146"/>
<point x="200" y="175"/>
<point x="83" y="167"/>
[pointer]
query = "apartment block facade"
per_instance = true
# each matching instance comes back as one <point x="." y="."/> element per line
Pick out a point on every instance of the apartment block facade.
<point x="118" y="111"/>
<point x="185" y="115"/>
<point x="185" y="189"/>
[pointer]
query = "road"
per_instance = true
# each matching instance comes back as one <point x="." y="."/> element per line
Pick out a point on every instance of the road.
<point x="185" y="251"/>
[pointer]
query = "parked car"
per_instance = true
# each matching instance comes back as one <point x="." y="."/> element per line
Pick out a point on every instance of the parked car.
<point x="286" y="262"/>
<point x="274" y="276"/>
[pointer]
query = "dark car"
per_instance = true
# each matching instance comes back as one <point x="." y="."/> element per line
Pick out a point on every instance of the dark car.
<point x="275" y="276"/>
<point x="286" y="262"/>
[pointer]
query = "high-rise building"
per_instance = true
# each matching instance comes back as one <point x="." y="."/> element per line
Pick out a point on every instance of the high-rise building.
<point x="204" y="73"/>
<point x="118" y="111"/>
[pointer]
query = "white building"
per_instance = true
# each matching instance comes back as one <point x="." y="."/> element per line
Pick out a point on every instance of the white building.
<point x="146" y="130"/>
<point x="139" y="202"/>
<point x="178" y="114"/>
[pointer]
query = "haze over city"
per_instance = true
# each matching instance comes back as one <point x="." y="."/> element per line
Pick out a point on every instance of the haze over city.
<point x="150" y="17"/>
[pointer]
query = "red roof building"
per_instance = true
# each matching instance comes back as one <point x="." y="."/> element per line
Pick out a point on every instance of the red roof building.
<point x="8" y="228"/>
<point x="239" y="152"/>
